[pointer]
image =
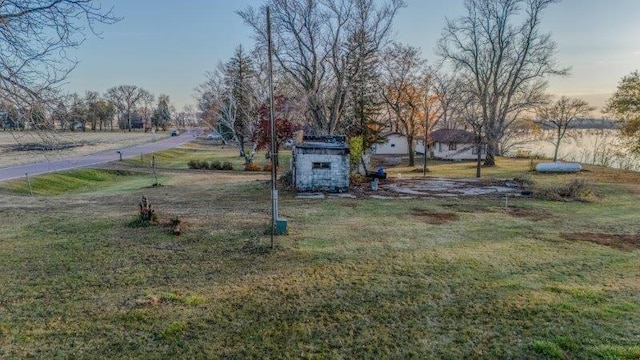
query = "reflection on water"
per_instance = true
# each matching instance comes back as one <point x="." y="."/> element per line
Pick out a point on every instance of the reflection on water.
<point x="597" y="147"/>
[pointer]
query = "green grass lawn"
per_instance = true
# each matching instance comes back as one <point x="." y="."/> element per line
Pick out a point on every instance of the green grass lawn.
<point x="354" y="278"/>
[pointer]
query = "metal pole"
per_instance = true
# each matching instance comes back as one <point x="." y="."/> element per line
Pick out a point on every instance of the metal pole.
<point x="426" y="139"/>
<point x="274" y="148"/>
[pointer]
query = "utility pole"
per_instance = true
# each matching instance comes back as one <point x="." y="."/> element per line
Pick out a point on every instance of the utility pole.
<point x="274" y="148"/>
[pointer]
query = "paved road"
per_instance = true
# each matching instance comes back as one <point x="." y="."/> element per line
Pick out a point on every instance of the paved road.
<point x="20" y="171"/>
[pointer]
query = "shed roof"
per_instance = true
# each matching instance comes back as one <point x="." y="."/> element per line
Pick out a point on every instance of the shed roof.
<point x="321" y="145"/>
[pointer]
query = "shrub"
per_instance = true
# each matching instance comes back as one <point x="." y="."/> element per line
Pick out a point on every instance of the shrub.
<point x="215" y="165"/>
<point x="286" y="180"/>
<point x="574" y="190"/>
<point x="266" y="167"/>
<point x="524" y="180"/>
<point x="226" y="166"/>
<point x="252" y="167"/>
<point x="357" y="179"/>
<point x="197" y="164"/>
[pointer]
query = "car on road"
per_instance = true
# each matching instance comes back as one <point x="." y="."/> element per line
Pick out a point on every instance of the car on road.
<point x="175" y="133"/>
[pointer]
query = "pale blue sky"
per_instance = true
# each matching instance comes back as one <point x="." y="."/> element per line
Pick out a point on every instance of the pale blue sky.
<point x="166" y="46"/>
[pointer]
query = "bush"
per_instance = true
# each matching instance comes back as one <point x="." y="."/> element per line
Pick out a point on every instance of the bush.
<point x="266" y="167"/>
<point x="226" y="166"/>
<point x="286" y="180"/>
<point x="198" y="164"/>
<point x="215" y="165"/>
<point x="524" y="180"/>
<point x="357" y="179"/>
<point x="252" y="167"/>
<point x="574" y="190"/>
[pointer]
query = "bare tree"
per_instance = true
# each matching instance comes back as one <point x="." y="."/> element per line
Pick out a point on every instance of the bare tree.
<point x="449" y="90"/>
<point x="431" y="107"/>
<point x="34" y="37"/>
<point x="471" y="114"/>
<point x="402" y="91"/>
<point x="145" y="109"/>
<point x="560" y="115"/>
<point x="77" y="113"/>
<point x="500" y="53"/>
<point x="125" y="98"/>
<point x="310" y="47"/>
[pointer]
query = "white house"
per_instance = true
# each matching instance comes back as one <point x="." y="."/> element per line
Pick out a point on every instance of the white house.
<point x="396" y="144"/>
<point x="454" y="144"/>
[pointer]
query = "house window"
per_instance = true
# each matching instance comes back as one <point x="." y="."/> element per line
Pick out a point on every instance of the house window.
<point x="474" y="150"/>
<point x="321" y="165"/>
<point x="453" y="146"/>
<point x="440" y="147"/>
<point x="393" y="145"/>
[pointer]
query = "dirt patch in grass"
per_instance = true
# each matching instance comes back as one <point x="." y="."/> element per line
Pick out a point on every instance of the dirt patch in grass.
<point x="626" y="242"/>
<point x="515" y="211"/>
<point x="434" y="218"/>
<point x="531" y="214"/>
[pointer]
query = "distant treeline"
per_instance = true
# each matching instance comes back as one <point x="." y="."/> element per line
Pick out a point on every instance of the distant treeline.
<point x="587" y="123"/>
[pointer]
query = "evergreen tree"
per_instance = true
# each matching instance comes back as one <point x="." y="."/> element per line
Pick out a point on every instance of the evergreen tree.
<point x="239" y="79"/>
<point x="364" y="103"/>
<point x="161" y="117"/>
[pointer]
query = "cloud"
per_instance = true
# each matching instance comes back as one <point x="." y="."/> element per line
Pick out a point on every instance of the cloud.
<point x="636" y="53"/>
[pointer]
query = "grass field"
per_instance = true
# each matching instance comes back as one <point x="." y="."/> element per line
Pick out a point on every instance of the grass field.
<point x="354" y="278"/>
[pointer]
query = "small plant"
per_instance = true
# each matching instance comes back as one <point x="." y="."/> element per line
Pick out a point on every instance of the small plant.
<point x="226" y="166"/>
<point x="252" y="166"/>
<point x="266" y="167"/>
<point x="524" y="180"/>
<point x="173" y="330"/>
<point x="193" y="164"/>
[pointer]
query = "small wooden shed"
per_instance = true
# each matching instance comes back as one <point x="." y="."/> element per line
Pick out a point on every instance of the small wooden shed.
<point x="321" y="163"/>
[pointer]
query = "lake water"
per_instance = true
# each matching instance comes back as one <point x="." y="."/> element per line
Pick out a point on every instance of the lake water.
<point x="597" y="147"/>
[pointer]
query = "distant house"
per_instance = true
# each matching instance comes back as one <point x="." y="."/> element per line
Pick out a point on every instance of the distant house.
<point x="454" y="144"/>
<point x="396" y="144"/>
<point x="321" y="163"/>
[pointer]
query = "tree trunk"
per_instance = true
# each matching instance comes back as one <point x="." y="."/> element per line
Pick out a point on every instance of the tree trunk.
<point x="492" y="151"/>
<point x="555" y="151"/>
<point x="479" y="162"/>
<point x="411" y="151"/>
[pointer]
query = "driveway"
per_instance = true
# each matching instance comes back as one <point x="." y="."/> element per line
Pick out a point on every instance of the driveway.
<point x="15" y="172"/>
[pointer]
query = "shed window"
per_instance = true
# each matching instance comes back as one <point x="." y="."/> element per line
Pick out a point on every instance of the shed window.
<point x="453" y="146"/>
<point x="321" y="165"/>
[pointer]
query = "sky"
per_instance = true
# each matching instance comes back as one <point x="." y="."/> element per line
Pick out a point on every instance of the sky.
<point x="167" y="46"/>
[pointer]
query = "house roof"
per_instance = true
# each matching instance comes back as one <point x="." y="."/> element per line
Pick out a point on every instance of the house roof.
<point x="389" y="133"/>
<point x="452" y="136"/>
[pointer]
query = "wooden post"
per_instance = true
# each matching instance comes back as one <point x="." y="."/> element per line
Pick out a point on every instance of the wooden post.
<point x="29" y="183"/>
